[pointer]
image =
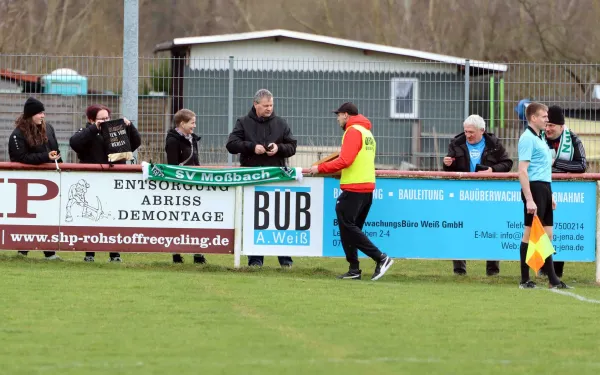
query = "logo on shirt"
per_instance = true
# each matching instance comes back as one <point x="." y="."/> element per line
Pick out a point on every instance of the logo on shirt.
<point x="475" y="153"/>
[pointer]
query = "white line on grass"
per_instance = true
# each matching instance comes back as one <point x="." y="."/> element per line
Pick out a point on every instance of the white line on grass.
<point x="576" y="296"/>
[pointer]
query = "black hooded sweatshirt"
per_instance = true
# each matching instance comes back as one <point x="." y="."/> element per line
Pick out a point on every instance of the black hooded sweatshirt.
<point x="252" y="130"/>
<point x="180" y="150"/>
<point x="89" y="144"/>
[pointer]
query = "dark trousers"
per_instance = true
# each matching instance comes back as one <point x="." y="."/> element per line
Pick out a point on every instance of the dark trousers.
<point x="558" y="268"/>
<point x="46" y="253"/>
<point x="491" y="266"/>
<point x="352" y="210"/>
<point x="92" y="254"/>
<point x="257" y="260"/>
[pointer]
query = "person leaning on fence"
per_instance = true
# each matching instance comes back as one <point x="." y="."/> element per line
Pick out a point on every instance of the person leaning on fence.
<point x="262" y="139"/>
<point x="568" y="154"/>
<point x="535" y="177"/>
<point x="89" y="145"/>
<point x="357" y="163"/>
<point x="475" y="150"/>
<point x="33" y="141"/>
<point x="181" y="147"/>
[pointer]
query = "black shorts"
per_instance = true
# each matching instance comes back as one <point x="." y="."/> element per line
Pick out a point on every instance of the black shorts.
<point x="542" y="196"/>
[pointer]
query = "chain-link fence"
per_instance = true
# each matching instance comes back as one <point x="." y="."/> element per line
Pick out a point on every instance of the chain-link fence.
<point x="416" y="107"/>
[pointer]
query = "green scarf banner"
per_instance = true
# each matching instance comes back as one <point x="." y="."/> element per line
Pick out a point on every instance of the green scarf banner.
<point x="565" y="149"/>
<point x="219" y="177"/>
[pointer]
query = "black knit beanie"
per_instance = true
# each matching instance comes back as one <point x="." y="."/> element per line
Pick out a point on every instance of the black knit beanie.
<point x="32" y="107"/>
<point x="556" y="115"/>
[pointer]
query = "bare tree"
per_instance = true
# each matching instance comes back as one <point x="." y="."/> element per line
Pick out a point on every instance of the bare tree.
<point x="533" y="30"/>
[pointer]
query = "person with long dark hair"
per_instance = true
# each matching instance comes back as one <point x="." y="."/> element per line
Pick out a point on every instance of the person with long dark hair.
<point x="181" y="147"/>
<point x="90" y="148"/>
<point x="34" y="142"/>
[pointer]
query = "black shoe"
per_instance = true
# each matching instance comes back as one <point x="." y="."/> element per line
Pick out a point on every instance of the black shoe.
<point x="460" y="272"/>
<point x="382" y="266"/>
<point x="351" y="275"/>
<point x="22" y="253"/>
<point x="177" y="258"/>
<point x="562" y="285"/>
<point x="492" y="273"/>
<point x="286" y="265"/>
<point x="199" y="258"/>
<point x="527" y="285"/>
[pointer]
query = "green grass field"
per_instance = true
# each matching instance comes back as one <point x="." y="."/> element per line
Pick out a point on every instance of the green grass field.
<point x="148" y="316"/>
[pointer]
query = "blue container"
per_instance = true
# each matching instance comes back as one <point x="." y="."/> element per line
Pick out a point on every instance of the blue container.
<point x="64" y="82"/>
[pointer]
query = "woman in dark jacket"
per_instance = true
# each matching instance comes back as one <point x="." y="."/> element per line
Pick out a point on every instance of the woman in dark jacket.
<point x="182" y="149"/>
<point x="90" y="148"/>
<point x="33" y="142"/>
<point x="88" y="142"/>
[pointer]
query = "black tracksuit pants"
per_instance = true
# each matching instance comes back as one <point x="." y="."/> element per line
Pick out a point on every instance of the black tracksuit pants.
<point x="111" y="255"/>
<point x="491" y="266"/>
<point x="352" y="210"/>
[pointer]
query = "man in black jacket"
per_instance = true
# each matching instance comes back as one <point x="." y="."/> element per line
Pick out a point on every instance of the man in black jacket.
<point x="90" y="148"/>
<point x="475" y="150"/>
<point x="568" y="151"/>
<point x="263" y="140"/>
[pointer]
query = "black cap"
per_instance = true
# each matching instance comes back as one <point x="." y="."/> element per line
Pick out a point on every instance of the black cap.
<point x="556" y="115"/>
<point x="348" y="108"/>
<point x="32" y="107"/>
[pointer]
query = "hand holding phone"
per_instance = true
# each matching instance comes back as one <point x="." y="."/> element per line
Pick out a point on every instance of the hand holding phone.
<point x="272" y="149"/>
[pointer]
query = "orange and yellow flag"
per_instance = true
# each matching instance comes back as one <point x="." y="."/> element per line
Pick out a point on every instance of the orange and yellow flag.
<point x="540" y="246"/>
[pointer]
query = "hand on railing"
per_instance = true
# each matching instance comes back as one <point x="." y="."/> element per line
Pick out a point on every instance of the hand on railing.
<point x="54" y="155"/>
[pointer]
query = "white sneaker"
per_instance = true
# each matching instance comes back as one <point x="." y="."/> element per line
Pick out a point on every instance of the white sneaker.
<point x="115" y="260"/>
<point x="88" y="259"/>
<point x="382" y="266"/>
<point x="53" y="257"/>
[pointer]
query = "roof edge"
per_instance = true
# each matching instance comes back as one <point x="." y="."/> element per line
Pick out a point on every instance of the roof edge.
<point x="187" y="41"/>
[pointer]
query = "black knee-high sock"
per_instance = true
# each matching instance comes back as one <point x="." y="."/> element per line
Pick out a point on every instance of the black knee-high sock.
<point x="549" y="269"/>
<point x="558" y="267"/>
<point x="524" y="266"/>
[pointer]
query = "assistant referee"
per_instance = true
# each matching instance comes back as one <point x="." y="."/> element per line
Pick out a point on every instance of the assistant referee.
<point x="535" y="176"/>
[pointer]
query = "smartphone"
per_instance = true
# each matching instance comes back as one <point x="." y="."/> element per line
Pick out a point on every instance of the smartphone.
<point x="481" y="167"/>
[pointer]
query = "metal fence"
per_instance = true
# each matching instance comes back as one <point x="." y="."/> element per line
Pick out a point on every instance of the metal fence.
<point x="416" y="107"/>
